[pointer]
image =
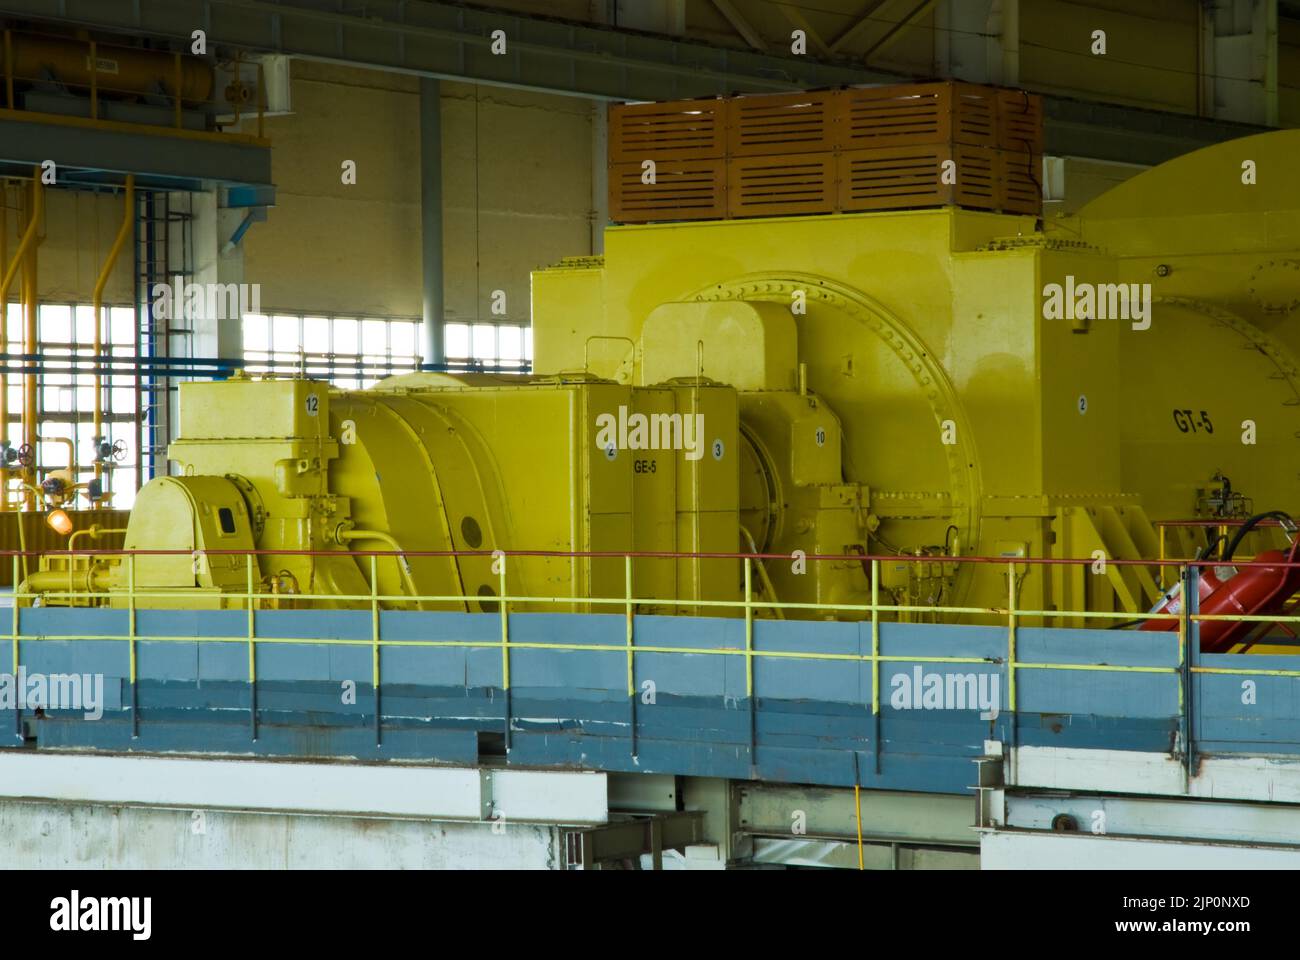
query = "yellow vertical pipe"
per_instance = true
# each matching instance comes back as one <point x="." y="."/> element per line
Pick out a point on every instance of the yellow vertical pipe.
<point x="631" y="663"/>
<point x="1011" y="637"/>
<point x="123" y="231"/>
<point x="26" y="244"/>
<point x="36" y="210"/>
<point x="857" y="806"/>
<point x="749" y="629"/>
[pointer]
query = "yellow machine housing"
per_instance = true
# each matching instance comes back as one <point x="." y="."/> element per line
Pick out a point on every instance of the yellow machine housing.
<point x="434" y="464"/>
<point x="888" y="383"/>
<point x="972" y="422"/>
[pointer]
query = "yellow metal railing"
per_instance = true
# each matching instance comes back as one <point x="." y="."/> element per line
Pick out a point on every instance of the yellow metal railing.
<point x="250" y="597"/>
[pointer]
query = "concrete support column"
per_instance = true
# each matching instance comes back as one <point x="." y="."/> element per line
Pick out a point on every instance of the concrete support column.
<point x="215" y="262"/>
<point x="431" y="330"/>
<point x="971" y="43"/>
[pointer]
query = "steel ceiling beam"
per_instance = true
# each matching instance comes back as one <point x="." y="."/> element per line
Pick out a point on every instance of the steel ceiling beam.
<point x="89" y="153"/>
<point x="740" y="24"/>
<point x="896" y="32"/>
<point x="452" y="41"/>
<point x="864" y="20"/>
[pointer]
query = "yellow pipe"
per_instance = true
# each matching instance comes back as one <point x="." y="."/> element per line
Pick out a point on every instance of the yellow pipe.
<point x="90" y="580"/>
<point x="36" y="211"/>
<point x="128" y="220"/>
<point x="126" y="71"/>
<point x="22" y="546"/>
<point x="345" y="536"/>
<point x="72" y="451"/>
<point x="27" y="242"/>
<point x="857" y="805"/>
<point x="22" y="538"/>
<point x="94" y="531"/>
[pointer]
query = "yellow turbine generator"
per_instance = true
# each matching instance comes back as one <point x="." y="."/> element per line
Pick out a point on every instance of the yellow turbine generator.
<point x="869" y="374"/>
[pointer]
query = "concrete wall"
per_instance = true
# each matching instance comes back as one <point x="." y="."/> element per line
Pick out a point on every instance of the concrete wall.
<point x="48" y="835"/>
<point x="516" y="195"/>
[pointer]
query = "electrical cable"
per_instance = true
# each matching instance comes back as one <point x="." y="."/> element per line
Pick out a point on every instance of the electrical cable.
<point x="1249" y="525"/>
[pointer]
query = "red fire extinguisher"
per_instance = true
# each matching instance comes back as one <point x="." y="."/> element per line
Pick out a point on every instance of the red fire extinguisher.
<point x="1252" y="591"/>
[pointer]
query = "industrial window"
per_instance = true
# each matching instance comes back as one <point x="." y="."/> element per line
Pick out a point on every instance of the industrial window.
<point x="65" y="398"/>
<point x="505" y="345"/>
<point x="350" y="352"/>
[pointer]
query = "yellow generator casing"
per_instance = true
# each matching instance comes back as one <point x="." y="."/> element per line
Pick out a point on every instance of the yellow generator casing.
<point x="974" y="419"/>
<point x="456" y="467"/>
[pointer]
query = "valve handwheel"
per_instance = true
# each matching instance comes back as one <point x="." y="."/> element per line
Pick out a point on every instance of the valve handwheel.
<point x="26" y="455"/>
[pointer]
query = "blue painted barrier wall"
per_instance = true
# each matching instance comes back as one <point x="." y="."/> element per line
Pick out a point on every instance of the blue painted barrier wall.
<point x="806" y="720"/>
